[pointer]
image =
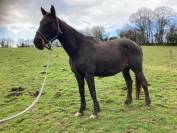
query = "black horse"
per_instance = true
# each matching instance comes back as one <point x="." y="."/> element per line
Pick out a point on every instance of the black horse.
<point x="89" y="58"/>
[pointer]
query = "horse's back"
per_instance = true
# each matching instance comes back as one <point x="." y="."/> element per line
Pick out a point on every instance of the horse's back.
<point x="123" y="46"/>
<point x="124" y="52"/>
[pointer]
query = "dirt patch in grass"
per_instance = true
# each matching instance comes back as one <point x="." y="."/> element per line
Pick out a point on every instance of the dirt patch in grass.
<point x="57" y="94"/>
<point x="130" y="130"/>
<point x="15" y="91"/>
<point x="36" y="93"/>
<point x="42" y="72"/>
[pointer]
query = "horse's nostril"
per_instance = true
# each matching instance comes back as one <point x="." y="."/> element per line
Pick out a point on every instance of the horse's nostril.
<point x="37" y="41"/>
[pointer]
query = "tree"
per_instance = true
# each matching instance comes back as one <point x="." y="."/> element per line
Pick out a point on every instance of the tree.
<point x="130" y="34"/>
<point x="162" y="17"/>
<point x="24" y="43"/>
<point x="97" y="32"/>
<point x="142" y="22"/>
<point x="2" y="44"/>
<point x="172" y="35"/>
<point x="5" y="43"/>
<point x="112" y="38"/>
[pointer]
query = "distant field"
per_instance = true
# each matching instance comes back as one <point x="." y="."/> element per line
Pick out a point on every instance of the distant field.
<point x="22" y="69"/>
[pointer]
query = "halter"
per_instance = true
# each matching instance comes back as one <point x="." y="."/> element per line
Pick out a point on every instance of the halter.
<point x="49" y="42"/>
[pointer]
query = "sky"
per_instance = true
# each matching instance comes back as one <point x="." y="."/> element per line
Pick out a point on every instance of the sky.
<point x="20" y="18"/>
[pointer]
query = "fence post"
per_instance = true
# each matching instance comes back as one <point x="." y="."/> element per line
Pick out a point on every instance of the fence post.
<point x="170" y="59"/>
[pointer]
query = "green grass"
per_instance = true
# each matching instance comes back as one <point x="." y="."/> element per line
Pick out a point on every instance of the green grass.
<point x="54" y="113"/>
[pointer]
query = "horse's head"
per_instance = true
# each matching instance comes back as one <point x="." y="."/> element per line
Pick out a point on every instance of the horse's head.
<point x="48" y="30"/>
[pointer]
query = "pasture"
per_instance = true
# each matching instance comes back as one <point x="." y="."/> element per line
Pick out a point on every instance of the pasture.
<point x="21" y="74"/>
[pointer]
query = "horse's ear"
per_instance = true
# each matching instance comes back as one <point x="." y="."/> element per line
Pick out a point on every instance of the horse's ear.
<point x="52" y="11"/>
<point x="43" y="11"/>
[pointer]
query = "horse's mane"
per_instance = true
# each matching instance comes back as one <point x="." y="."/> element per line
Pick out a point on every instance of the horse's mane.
<point x="77" y="34"/>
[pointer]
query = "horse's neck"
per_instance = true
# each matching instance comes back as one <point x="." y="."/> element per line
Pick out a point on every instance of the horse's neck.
<point x="70" y="39"/>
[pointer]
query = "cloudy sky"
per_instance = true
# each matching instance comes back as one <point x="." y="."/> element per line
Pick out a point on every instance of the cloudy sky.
<point x="20" y="18"/>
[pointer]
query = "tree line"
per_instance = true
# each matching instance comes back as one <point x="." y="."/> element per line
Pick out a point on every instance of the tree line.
<point x="145" y="26"/>
<point x="156" y="26"/>
<point x="21" y="43"/>
<point x="9" y="43"/>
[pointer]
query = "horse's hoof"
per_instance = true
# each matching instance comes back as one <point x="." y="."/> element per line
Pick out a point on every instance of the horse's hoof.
<point x="147" y="107"/>
<point x="93" y="116"/>
<point x="148" y="102"/>
<point x="77" y="114"/>
<point x="127" y="102"/>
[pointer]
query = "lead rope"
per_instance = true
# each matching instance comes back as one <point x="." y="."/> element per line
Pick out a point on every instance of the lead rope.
<point x="37" y="98"/>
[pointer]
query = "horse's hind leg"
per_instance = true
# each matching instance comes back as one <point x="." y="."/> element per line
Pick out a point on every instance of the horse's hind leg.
<point x="143" y="81"/>
<point x="138" y="87"/>
<point x="129" y="82"/>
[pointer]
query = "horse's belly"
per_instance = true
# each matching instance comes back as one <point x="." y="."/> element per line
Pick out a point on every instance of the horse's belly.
<point x="105" y="74"/>
<point x="107" y="70"/>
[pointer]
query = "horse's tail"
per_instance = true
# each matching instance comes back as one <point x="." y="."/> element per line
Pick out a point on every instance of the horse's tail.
<point x="138" y="87"/>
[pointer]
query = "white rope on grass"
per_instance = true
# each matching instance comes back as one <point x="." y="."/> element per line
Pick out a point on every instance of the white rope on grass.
<point x="36" y="99"/>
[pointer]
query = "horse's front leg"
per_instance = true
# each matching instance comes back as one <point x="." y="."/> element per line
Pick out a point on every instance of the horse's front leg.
<point x="91" y="85"/>
<point x="80" y="81"/>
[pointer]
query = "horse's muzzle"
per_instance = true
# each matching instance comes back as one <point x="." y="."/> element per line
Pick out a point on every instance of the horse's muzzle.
<point x="39" y="43"/>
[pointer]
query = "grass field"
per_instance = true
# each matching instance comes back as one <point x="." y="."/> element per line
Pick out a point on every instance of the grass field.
<point x="22" y="69"/>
